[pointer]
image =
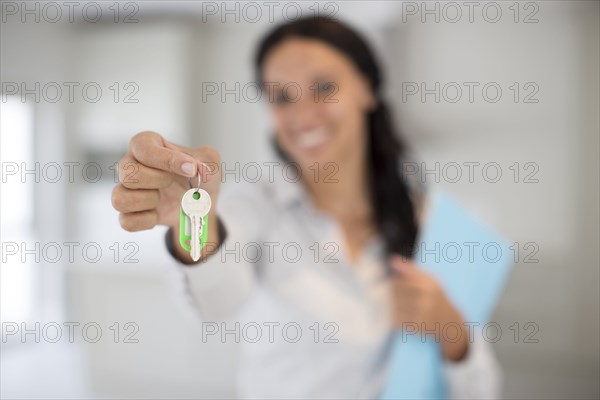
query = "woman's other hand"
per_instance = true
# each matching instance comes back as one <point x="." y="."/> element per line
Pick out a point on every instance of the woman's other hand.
<point x="421" y="304"/>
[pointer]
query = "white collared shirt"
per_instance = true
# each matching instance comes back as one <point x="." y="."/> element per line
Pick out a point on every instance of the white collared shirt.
<point x="312" y="324"/>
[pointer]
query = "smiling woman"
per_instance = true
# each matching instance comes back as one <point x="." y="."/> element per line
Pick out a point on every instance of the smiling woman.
<point x="352" y="123"/>
<point x="344" y="243"/>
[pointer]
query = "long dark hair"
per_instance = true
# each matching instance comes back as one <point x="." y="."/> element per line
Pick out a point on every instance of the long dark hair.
<point x="393" y="208"/>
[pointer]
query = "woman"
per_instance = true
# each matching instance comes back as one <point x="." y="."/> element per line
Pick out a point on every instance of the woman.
<point x="330" y="251"/>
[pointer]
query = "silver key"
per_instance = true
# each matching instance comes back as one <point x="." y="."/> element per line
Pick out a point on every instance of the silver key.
<point x="195" y="209"/>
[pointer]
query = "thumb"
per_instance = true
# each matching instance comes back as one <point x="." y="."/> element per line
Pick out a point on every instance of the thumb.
<point x="402" y="265"/>
<point x="206" y="164"/>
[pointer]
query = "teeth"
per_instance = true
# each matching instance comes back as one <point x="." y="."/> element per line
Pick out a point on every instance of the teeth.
<point x="311" y="138"/>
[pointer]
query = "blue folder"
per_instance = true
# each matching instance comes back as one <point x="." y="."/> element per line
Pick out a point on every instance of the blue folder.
<point x="472" y="263"/>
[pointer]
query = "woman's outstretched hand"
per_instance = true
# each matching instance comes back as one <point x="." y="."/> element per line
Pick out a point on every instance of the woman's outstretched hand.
<point x="421" y="304"/>
<point x="154" y="174"/>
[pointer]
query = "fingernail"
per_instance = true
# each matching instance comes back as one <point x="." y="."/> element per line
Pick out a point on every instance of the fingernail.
<point x="189" y="169"/>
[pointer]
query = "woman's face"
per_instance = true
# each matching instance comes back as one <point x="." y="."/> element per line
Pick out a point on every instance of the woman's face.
<point x="319" y="101"/>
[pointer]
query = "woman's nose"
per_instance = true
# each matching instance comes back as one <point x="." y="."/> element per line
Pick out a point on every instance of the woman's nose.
<point x="305" y="109"/>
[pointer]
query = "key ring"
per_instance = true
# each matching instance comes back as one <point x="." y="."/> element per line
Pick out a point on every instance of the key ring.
<point x="199" y="179"/>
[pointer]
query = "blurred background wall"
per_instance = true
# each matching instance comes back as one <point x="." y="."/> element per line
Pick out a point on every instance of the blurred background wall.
<point x="153" y="70"/>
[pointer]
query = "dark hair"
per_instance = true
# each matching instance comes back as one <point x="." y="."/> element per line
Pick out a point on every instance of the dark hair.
<point x="393" y="208"/>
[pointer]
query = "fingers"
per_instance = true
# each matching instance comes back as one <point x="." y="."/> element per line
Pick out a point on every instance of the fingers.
<point x="137" y="207"/>
<point x="412" y="303"/>
<point x="418" y="284"/>
<point x="152" y="160"/>
<point x="128" y="200"/>
<point x="151" y="177"/>
<point x="134" y="175"/>
<point x="138" y="221"/>
<point x="208" y="160"/>
<point x="413" y="287"/>
<point x="151" y="150"/>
